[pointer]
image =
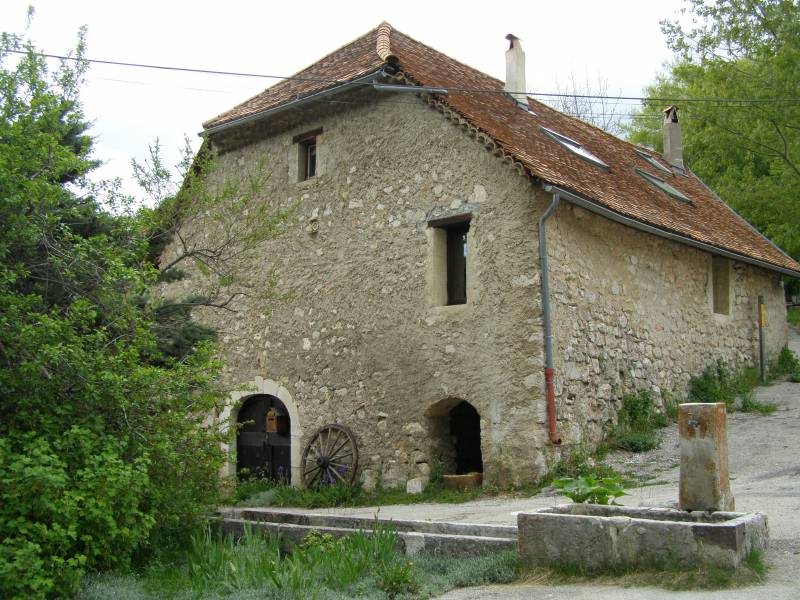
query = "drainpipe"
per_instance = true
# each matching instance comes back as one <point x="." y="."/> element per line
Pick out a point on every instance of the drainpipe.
<point x="548" y="327"/>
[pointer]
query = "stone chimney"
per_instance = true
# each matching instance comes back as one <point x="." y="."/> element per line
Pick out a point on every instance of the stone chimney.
<point x="515" y="70"/>
<point x="671" y="130"/>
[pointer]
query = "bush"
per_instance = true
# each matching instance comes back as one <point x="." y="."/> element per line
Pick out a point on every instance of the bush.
<point x="66" y="507"/>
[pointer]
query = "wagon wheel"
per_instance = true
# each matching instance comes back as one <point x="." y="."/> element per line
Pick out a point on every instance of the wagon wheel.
<point x="331" y="456"/>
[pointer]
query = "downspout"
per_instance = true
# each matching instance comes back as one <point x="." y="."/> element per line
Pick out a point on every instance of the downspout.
<point x="548" y="327"/>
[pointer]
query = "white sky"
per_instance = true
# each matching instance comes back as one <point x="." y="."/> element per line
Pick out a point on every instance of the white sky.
<point x="617" y="40"/>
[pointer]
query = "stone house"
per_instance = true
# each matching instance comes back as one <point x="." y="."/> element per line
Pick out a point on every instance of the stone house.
<point x="471" y="278"/>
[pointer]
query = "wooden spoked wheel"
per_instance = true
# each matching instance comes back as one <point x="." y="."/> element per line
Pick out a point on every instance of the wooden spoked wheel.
<point x="331" y="456"/>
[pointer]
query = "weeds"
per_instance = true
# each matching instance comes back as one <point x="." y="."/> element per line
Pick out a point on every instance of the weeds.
<point x="786" y="364"/>
<point x="737" y="390"/>
<point x="638" y="421"/>
<point x="362" y="565"/>
<point x="593" y="491"/>
<point x="581" y="463"/>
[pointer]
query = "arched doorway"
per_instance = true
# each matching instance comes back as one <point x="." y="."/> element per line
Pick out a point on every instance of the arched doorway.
<point x="455" y="434"/>
<point x="263" y="441"/>
<point x="465" y="427"/>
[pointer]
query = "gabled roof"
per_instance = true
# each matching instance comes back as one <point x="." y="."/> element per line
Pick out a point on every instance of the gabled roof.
<point x="521" y="134"/>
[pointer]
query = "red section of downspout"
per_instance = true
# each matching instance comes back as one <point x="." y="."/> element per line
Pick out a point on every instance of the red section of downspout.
<point x="551" y="406"/>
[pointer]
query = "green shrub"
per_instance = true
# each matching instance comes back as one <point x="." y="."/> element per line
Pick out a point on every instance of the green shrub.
<point x="66" y="507"/>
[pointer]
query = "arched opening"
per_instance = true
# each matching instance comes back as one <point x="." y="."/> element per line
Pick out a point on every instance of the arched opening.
<point x="263" y="440"/>
<point x="455" y="428"/>
<point x="465" y="427"/>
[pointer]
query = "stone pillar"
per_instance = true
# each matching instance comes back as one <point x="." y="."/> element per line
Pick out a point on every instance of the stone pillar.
<point x="703" y="430"/>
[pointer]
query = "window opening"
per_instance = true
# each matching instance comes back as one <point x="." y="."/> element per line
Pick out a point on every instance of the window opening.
<point x="653" y="161"/>
<point x="308" y="158"/>
<point x="575" y="148"/>
<point x="457" y="262"/>
<point x="721" y="285"/>
<point x="664" y="186"/>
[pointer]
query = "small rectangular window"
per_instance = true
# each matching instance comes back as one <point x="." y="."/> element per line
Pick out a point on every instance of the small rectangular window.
<point x="457" y="263"/>
<point x="308" y="158"/>
<point x="721" y="285"/>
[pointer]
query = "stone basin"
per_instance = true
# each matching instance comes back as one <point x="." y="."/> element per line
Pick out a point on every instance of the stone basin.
<point x="594" y="537"/>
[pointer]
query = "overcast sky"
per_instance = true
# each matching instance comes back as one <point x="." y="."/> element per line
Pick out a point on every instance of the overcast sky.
<point x="619" y="41"/>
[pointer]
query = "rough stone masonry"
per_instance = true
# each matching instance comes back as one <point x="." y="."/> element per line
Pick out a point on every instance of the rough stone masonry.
<point x="357" y="332"/>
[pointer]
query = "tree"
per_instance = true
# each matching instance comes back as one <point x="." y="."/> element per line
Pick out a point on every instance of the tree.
<point x="589" y="101"/>
<point x="741" y="60"/>
<point x="103" y="448"/>
<point x="206" y="226"/>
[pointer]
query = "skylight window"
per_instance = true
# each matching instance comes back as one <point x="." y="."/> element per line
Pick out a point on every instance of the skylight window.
<point x="575" y="148"/>
<point x="664" y="186"/>
<point x="652" y="160"/>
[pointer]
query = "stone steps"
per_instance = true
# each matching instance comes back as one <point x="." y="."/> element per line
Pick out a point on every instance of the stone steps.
<point x="452" y="539"/>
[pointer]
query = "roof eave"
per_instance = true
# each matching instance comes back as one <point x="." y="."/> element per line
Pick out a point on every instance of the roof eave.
<point x="263" y="114"/>
<point x="608" y="213"/>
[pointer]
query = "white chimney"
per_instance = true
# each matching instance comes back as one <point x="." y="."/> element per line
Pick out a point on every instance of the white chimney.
<point x="671" y="130"/>
<point x="515" y="70"/>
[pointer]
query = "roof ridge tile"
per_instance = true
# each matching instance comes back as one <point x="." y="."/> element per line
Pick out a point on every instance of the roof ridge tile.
<point x="383" y="41"/>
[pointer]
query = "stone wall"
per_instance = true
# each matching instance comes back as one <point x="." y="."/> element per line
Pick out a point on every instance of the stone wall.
<point x="354" y="332"/>
<point x="357" y="339"/>
<point x="634" y="311"/>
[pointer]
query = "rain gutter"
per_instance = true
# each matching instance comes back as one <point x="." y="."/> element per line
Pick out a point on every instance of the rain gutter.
<point x="370" y="78"/>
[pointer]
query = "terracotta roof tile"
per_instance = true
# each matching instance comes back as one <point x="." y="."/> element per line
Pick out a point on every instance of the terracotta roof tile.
<point x="620" y="188"/>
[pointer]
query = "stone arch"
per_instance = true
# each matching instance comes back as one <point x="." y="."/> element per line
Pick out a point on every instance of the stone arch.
<point x="454" y="427"/>
<point x="267" y="387"/>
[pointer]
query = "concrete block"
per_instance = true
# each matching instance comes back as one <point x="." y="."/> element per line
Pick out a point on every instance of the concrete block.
<point x="416" y="485"/>
<point x="596" y="537"/>
<point x="704" y="482"/>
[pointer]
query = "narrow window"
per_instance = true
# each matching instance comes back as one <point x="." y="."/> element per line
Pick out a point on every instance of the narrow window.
<point x="308" y="158"/>
<point x="307" y="154"/>
<point x="457" y="262"/>
<point x="721" y="285"/>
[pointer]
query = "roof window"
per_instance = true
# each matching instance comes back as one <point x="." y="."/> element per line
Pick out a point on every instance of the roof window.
<point x="652" y="160"/>
<point x="575" y="148"/>
<point x="664" y="186"/>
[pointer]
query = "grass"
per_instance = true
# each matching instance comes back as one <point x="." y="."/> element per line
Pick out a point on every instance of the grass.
<point x="793" y="316"/>
<point x="670" y="577"/>
<point x="322" y="567"/>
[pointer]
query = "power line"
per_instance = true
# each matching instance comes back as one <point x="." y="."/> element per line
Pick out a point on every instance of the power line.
<point x="451" y="90"/>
